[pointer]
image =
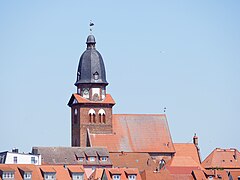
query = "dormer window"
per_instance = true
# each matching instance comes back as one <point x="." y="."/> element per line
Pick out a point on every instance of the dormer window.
<point x="49" y="176"/>
<point x="27" y="175"/>
<point x="132" y="177"/>
<point x="104" y="158"/>
<point x="96" y="76"/>
<point x="91" y="159"/>
<point x="7" y="175"/>
<point x="80" y="159"/>
<point x="116" y="177"/>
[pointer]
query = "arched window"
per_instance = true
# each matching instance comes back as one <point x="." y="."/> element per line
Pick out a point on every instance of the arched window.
<point x="101" y="114"/>
<point x="92" y="115"/>
<point x="75" y="118"/>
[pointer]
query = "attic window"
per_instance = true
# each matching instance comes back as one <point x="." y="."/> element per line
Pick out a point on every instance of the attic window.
<point x="8" y="175"/>
<point x="104" y="158"/>
<point x="91" y="158"/>
<point x="131" y="177"/>
<point x="27" y="175"/>
<point x="116" y="177"/>
<point x="96" y="76"/>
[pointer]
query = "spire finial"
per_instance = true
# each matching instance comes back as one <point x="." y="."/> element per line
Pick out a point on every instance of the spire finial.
<point x="91" y="24"/>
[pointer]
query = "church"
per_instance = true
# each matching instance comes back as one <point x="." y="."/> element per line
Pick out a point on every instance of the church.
<point x="93" y="123"/>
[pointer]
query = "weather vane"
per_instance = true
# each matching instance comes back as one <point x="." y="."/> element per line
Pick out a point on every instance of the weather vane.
<point x="91" y="24"/>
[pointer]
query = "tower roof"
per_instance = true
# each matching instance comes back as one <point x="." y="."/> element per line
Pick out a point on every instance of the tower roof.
<point x="91" y="69"/>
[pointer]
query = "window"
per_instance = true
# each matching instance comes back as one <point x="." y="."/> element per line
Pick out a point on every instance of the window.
<point x="77" y="176"/>
<point x="33" y="161"/>
<point x="75" y="119"/>
<point x="8" y="175"/>
<point x="80" y="159"/>
<point x="27" y="175"/>
<point x="101" y="113"/>
<point x="91" y="114"/>
<point x="15" y="159"/>
<point x="50" y="175"/>
<point x="131" y="177"/>
<point x="91" y="159"/>
<point x="104" y="158"/>
<point x="95" y="76"/>
<point x="116" y="177"/>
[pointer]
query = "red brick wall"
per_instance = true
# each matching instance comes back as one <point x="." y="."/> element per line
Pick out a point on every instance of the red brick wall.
<point x="79" y="129"/>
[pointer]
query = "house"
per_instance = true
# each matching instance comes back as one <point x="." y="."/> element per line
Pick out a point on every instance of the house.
<point x="41" y="172"/>
<point x="121" y="174"/>
<point x="89" y="158"/>
<point x="228" y="159"/>
<point x="14" y="157"/>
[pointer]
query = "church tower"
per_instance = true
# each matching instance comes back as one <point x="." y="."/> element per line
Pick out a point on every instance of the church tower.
<point x="91" y="106"/>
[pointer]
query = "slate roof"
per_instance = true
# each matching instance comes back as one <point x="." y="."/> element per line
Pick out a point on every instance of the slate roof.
<point x="68" y="155"/>
<point x="142" y="161"/>
<point x="91" y="62"/>
<point x="223" y="158"/>
<point x="136" y="133"/>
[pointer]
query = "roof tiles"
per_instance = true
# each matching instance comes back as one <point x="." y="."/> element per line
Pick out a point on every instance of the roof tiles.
<point x="136" y="133"/>
<point x="223" y="158"/>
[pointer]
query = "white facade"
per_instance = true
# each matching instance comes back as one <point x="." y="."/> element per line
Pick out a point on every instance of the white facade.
<point x="19" y="158"/>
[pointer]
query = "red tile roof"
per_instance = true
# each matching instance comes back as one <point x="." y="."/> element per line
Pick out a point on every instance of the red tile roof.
<point x="223" y="158"/>
<point x="187" y="149"/>
<point x="123" y="172"/>
<point x="156" y="175"/>
<point x="61" y="171"/>
<point x="97" y="174"/>
<point x="136" y="133"/>
<point x="142" y="161"/>
<point x="75" y="169"/>
<point x="235" y="174"/>
<point x="216" y="174"/>
<point x="183" y="161"/>
<point x="199" y="174"/>
<point x="81" y="100"/>
<point x="36" y="174"/>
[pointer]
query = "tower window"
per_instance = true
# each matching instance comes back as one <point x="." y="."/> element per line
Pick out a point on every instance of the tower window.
<point x="96" y="76"/>
<point x="92" y="115"/>
<point x="101" y="114"/>
<point x="75" y="118"/>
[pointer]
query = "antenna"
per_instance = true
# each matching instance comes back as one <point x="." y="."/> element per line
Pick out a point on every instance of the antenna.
<point x="91" y="24"/>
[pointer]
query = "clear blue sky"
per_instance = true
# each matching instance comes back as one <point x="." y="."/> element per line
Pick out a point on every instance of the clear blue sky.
<point x="183" y="55"/>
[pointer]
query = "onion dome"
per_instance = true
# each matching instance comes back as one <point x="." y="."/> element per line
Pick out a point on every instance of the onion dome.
<point x="91" y="69"/>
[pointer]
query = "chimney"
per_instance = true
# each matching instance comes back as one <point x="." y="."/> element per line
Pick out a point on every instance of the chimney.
<point x="15" y="150"/>
<point x="195" y="139"/>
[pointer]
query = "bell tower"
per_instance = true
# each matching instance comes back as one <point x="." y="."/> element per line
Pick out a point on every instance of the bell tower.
<point x="91" y="106"/>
